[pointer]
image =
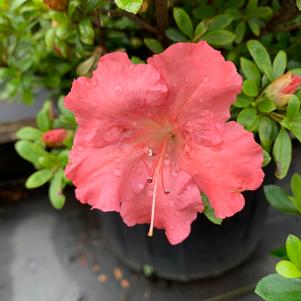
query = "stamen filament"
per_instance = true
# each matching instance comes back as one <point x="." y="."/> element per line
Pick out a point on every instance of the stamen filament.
<point x="158" y="167"/>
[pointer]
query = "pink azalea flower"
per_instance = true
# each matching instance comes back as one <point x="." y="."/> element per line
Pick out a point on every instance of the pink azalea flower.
<point x="152" y="136"/>
<point x="55" y="137"/>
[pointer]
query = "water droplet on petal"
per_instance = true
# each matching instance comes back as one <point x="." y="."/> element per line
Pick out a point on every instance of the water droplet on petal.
<point x="171" y="204"/>
<point x="206" y="79"/>
<point x="117" y="172"/>
<point x="177" y="213"/>
<point x="118" y="89"/>
<point x="167" y="191"/>
<point x="149" y="180"/>
<point x="187" y="148"/>
<point x="150" y="193"/>
<point x="189" y="127"/>
<point x="141" y="186"/>
<point x="166" y="162"/>
<point x="209" y="164"/>
<point x="171" y="228"/>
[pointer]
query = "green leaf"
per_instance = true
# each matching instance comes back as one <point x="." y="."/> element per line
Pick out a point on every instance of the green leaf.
<point x="86" y="31"/>
<point x="209" y="211"/>
<point x="279" y="64"/>
<point x="261" y="57"/>
<point x="154" y="45"/>
<point x="43" y="118"/>
<point x="39" y="178"/>
<point x="219" y="22"/>
<point x="287" y="269"/>
<point x="243" y="101"/>
<point x="132" y="6"/>
<point x="266" y="158"/>
<point x="282" y="152"/>
<point x="29" y="133"/>
<point x="47" y="162"/>
<point x="137" y="60"/>
<point x="57" y="198"/>
<point x="248" y="118"/>
<point x="254" y="26"/>
<point x="240" y="31"/>
<point x="174" y="35"/>
<point x="293" y="250"/>
<point x="30" y="151"/>
<point x="296" y="185"/>
<point x="276" y="288"/>
<point x="250" y="70"/>
<point x="251" y="6"/>
<point x="298" y="3"/>
<point x="250" y="88"/>
<point x="203" y="11"/>
<point x="293" y="107"/>
<point x="266" y="105"/>
<point x="183" y="21"/>
<point x="199" y="31"/>
<point x="268" y="131"/>
<point x="294" y="125"/>
<point x="278" y="199"/>
<point x="219" y="37"/>
<point x="262" y="12"/>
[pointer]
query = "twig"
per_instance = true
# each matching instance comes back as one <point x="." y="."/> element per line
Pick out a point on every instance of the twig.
<point x="280" y="21"/>
<point x="161" y="11"/>
<point x="135" y="18"/>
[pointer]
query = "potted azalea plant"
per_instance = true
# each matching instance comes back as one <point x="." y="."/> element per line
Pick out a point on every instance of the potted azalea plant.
<point x="154" y="123"/>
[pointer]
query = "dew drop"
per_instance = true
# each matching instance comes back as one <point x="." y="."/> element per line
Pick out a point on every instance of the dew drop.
<point x="117" y="172"/>
<point x="167" y="191"/>
<point x="171" y="204"/>
<point x="149" y="180"/>
<point x="118" y="89"/>
<point x="171" y="227"/>
<point x="209" y="164"/>
<point x="177" y="213"/>
<point x="189" y="127"/>
<point x="141" y="186"/>
<point x="187" y="148"/>
<point x="166" y="162"/>
<point x="175" y="174"/>
<point x="150" y="193"/>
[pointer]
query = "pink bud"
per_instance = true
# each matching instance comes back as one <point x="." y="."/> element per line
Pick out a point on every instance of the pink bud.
<point x="281" y="90"/>
<point x="55" y="137"/>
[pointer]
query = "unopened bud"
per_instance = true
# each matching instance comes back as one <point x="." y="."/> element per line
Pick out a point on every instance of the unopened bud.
<point x="55" y="137"/>
<point x="283" y="88"/>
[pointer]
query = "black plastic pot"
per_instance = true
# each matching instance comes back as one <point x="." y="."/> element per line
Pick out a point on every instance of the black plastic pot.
<point x="209" y="251"/>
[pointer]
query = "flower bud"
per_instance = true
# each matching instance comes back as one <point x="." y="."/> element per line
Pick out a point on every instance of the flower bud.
<point x="55" y="137"/>
<point x="57" y="5"/>
<point x="283" y="88"/>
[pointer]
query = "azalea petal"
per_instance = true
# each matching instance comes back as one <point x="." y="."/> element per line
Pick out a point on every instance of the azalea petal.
<point x="202" y="86"/>
<point x="224" y="171"/>
<point x="118" y="93"/>
<point x="101" y="175"/>
<point x="174" y="211"/>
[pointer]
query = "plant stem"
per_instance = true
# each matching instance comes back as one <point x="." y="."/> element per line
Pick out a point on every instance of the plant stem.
<point x="161" y="12"/>
<point x="281" y="21"/>
<point x="135" y="18"/>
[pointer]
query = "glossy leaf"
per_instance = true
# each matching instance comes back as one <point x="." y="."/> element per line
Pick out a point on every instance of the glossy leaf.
<point x="39" y="178"/>
<point x="282" y="153"/>
<point x="293" y="250"/>
<point x="287" y="269"/>
<point x="278" y="199"/>
<point x="29" y="133"/>
<point x="183" y="21"/>
<point x="56" y="196"/>
<point x="279" y="64"/>
<point x="131" y="6"/>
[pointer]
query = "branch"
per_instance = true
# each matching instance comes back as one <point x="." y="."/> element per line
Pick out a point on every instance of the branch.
<point x="135" y="18"/>
<point x="287" y="13"/>
<point x="161" y="11"/>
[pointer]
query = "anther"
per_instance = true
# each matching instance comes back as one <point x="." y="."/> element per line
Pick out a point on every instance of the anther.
<point x="151" y="153"/>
